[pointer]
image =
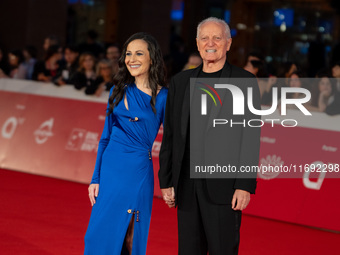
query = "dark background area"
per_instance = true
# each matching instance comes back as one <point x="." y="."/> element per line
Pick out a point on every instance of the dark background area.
<point x="282" y="30"/>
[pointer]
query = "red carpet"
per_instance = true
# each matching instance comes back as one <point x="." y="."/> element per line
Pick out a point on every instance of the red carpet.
<point x="46" y="216"/>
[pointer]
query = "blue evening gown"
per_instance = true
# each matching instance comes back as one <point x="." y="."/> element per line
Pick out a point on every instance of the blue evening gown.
<point x="124" y="172"/>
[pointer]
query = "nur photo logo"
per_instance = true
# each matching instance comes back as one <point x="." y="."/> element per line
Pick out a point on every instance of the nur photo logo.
<point x="204" y="97"/>
<point x="238" y="100"/>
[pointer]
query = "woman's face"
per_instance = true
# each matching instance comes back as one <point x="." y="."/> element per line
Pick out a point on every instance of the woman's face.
<point x="336" y="71"/>
<point x="88" y="63"/>
<point x="137" y="58"/>
<point x="26" y="54"/>
<point x="47" y="44"/>
<point x="325" y="86"/>
<point x="105" y="70"/>
<point x="13" y="60"/>
<point x="70" y="56"/>
<point x="295" y="81"/>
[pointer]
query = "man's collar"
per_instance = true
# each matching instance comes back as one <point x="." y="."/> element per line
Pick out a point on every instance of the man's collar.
<point x="225" y="70"/>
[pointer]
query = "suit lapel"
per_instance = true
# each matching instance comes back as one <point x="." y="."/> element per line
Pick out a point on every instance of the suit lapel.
<point x="186" y="101"/>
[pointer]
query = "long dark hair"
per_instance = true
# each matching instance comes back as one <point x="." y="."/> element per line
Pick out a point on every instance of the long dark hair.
<point x="316" y="89"/>
<point x="123" y="77"/>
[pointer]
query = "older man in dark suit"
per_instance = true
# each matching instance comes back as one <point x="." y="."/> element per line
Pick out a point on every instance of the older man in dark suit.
<point x="209" y="210"/>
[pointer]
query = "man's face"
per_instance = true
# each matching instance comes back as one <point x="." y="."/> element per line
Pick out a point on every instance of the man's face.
<point x="112" y="53"/>
<point x="70" y="56"/>
<point x="212" y="42"/>
<point x="336" y="71"/>
<point x="249" y="66"/>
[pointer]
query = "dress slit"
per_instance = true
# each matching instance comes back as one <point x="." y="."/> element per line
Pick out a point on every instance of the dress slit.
<point x="129" y="231"/>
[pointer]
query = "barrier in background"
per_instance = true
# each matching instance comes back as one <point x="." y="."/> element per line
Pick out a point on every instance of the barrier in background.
<point x="54" y="131"/>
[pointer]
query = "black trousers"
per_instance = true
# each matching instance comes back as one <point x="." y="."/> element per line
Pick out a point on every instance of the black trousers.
<point x="202" y="225"/>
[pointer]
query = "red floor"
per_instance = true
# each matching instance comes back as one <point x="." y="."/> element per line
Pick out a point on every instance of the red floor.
<point x="43" y="216"/>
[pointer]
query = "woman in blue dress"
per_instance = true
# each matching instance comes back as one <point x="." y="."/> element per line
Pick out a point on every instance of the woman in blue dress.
<point x="121" y="190"/>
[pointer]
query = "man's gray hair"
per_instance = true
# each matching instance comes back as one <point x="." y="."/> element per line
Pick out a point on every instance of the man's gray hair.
<point x="218" y="21"/>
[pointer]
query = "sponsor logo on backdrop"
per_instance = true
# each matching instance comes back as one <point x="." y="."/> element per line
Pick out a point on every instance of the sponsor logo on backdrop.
<point x="91" y="142"/>
<point x="265" y="139"/>
<point x="160" y="131"/>
<point x="82" y="140"/>
<point x="156" y="147"/>
<point x="101" y="117"/>
<point x="44" y="132"/>
<point x="315" y="173"/>
<point x="21" y="107"/>
<point x="270" y="160"/>
<point x="76" y="139"/>
<point x="313" y="184"/>
<point x="10" y="125"/>
<point x="329" y="148"/>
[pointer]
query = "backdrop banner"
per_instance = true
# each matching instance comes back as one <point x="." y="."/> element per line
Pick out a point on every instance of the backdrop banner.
<point x="54" y="131"/>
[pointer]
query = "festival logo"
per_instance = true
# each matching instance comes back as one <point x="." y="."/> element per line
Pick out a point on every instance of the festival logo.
<point x="44" y="132"/>
<point x="10" y="125"/>
<point x="271" y="163"/>
<point x="82" y="140"/>
<point x="75" y="139"/>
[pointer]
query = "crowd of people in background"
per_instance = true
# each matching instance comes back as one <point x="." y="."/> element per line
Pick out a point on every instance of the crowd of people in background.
<point x="91" y="67"/>
<point x="88" y="66"/>
<point x="324" y="87"/>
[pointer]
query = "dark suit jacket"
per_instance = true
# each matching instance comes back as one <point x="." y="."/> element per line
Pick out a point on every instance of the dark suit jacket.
<point x="241" y="143"/>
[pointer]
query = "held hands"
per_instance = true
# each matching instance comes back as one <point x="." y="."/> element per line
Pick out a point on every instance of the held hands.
<point x="169" y="196"/>
<point x="240" y="200"/>
<point x="93" y="193"/>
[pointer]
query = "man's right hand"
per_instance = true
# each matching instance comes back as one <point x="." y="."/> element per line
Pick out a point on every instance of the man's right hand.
<point x="168" y="195"/>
